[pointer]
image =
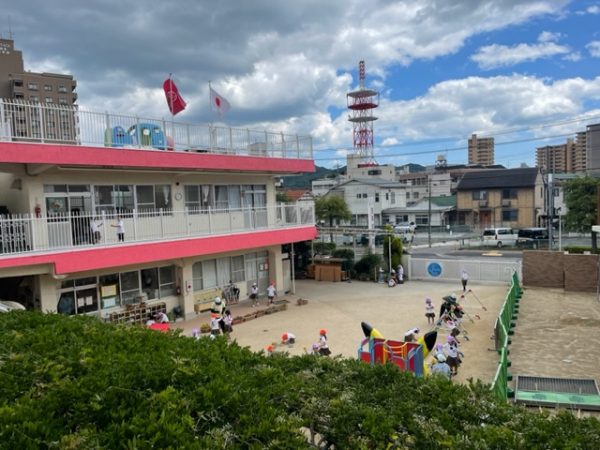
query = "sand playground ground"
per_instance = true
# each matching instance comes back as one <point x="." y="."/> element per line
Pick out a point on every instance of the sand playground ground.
<point x="557" y="333"/>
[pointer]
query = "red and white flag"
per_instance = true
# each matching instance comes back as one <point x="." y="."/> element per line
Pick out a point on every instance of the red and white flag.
<point x="174" y="100"/>
<point x="218" y="104"/>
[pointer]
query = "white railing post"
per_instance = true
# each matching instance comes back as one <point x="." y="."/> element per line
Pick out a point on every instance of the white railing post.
<point x="103" y="235"/>
<point x="297" y="146"/>
<point x="298" y="218"/>
<point x="230" y="220"/>
<point x="162" y="225"/>
<point x="283" y="144"/>
<point x="230" y="141"/>
<point x="187" y="221"/>
<point x="209" y="221"/>
<point x="187" y="130"/>
<point x="134" y="216"/>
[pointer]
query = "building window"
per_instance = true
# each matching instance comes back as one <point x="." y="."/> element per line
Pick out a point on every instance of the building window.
<point x="114" y="199"/>
<point x="62" y="89"/>
<point x="358" y="195"/>
<point x="78" y="296"/>
<point x="364" y="196"/>
<point x="393" y="201"/>
<point x="35" y="123"/>
<point x="166" y="280"/>
<point x="376" y="197"/>
<point x="66" y="137"/>
<point x="48" y="100"/>
<point x="387" y="195"/>
<point x="50" y="124"/>
<point x="510" y="215"/>
<point x="556" y="192"/>
<point x="36" y="135"/>
<point x="18" y="83"/>
<point x="508" y="194"/>
<point x="64" y="113"/>
<point x="63" y="101"/>
<point x="479" y="195"/>
<point x="32" y="86"/>
<point x="408" y="196"/>
<point x="422" y="219"/>
<point x="47" y="87"/>
<point x="51" y="136"/>
<point x="416" y="194"/>
<point x="153" y="198"/>
<point x="34" y="98"/>
<point x="19" y="95"/>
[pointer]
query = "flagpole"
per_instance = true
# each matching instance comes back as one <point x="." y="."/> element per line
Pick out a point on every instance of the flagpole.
<point x="210" y="117"/>
<point x="172" y="116"/>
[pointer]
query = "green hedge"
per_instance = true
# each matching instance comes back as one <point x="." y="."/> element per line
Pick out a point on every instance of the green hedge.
<point x="77" y="383"/>
<point x="577" y="249"/>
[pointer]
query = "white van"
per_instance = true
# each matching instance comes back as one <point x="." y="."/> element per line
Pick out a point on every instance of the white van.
<point x="499" y="237"/>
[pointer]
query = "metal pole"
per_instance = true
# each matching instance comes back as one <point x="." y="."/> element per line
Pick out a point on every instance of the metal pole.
<point x="559" y="232"/>
<point x="429" y="213"/>
<point x="390" y="251"/>
<point x="293" y="271"/>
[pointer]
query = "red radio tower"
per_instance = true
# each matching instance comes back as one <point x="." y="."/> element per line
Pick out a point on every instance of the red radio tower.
<point x="361" y="103"/>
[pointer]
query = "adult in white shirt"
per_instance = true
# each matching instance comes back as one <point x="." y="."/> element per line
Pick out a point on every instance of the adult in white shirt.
<point x="464" y="279"/>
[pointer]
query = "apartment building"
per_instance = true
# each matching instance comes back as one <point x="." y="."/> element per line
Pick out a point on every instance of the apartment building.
<point x="54" y="123"/>
<point x="556" y="158"/>
<point x="593" y="148"/>
<point x="481" y="150"/>
<point x="125" y="222"/>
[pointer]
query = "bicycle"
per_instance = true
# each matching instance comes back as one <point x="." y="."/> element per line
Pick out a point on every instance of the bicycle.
<point x="231" y="293"/>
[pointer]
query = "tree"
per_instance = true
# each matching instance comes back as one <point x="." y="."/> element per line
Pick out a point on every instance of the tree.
<point x="581" y="198"/>
<point x="280" y="197"/>
<point x="331" y="207"/>
<point x="396" y="245"/>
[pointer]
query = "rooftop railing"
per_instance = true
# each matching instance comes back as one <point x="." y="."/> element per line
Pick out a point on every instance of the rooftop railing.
<point x="22" y="121"/>
<point x="25" y="234"/>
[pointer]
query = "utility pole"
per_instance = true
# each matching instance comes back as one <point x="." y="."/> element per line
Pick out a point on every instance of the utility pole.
<point x="429" y="212"/>
<point x="551" y="202"/>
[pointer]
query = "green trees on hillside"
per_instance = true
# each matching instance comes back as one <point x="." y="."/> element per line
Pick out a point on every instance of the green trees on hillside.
<point x="77" y="383"/>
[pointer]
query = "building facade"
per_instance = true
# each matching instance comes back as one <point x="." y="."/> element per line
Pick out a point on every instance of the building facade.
<point x="508" y="198"/>
<point x="556" y="158"/>
<point x="121" y="221"/>
<point x="481" y="150"/>
<point x="57" y="121"/>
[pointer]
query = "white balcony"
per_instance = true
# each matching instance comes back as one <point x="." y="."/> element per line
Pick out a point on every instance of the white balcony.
<point x="22" y="121"/>
<point x="25" y="234"/>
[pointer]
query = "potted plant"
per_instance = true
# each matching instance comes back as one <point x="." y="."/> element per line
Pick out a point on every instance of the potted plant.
<point x="249" y="316"/>
<point x="205" y="328"/>
<point x="301" y="301"/>
<point x="237" y="320"/>
<point x="260" y="313"/>
<point x="271" y="310"/>
<point x="282" y="307"/>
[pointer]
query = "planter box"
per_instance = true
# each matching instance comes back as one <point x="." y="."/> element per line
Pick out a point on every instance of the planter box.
<point x="260" y="314"/>
<point x="237" y="321"/>
<point x="249" y="318"/>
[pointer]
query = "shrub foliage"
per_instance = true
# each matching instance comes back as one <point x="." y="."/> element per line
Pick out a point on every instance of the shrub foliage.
<point x="74" y="382"/>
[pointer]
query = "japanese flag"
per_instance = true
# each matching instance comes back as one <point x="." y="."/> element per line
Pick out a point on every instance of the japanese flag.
<point x="218" y="104"/>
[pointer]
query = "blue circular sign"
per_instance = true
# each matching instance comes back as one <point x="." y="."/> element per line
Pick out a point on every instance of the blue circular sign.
<point x="434" y="269"/>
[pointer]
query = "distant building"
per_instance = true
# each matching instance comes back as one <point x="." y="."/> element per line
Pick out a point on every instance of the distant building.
<point x="481" y="150"/>
<point x="593" y="148"/>
<point x="556" y="158"/>
<point x="55" y="91"/>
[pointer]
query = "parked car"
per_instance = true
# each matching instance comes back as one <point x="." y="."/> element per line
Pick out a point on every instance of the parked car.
<point x="499" y="237"/>
<point x="533" y="238"/>
<point x="405" y="227"/>
<point x="8" y="306"/>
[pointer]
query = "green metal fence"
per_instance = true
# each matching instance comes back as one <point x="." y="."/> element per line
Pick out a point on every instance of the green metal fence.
<point x="503" y="329"/>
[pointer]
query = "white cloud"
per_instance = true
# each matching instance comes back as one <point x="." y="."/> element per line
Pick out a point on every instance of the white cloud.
<point x="548" y="36"/>
<point x="595" y="9"/>
<point x="575" y="56"/>
<point x="594" y="48"/>
<point x="389" y="141"/>
<point x="494" y="56"/>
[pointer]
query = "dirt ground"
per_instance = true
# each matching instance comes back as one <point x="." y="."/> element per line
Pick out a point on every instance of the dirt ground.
<point x="341" y="307"/>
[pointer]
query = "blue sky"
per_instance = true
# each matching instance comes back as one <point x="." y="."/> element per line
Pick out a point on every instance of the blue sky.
<point x="523" y="72"/>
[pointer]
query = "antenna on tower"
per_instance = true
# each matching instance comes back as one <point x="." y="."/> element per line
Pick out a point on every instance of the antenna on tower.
<point x="361" y="103"/>
<point x="10" y="35"/>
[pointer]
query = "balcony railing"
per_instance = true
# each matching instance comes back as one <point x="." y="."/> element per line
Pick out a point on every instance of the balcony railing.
<point x="22" y="121"/>
<point x="24" y="234"/>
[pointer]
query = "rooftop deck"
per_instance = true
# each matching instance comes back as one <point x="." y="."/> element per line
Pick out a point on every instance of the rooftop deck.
<point x="48" y="123"/>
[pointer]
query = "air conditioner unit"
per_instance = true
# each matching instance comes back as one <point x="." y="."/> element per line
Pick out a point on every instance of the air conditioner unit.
<point x="483" y="203"/>
<point x="505" y="202"/>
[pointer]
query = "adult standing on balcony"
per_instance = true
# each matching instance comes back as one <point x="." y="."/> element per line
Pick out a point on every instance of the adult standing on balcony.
<point x="120" y="226"/>
<point x="95" y="227"/>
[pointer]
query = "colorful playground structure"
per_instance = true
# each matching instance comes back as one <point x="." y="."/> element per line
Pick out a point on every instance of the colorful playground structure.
<point x="408" y="356"/>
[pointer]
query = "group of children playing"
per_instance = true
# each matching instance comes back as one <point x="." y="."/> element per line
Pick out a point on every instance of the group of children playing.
<point x="316" y="349"/>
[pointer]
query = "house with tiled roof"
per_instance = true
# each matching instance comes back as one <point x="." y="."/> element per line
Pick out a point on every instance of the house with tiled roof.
<point x="441" y="213"/>
<point x="501" y="198"/>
